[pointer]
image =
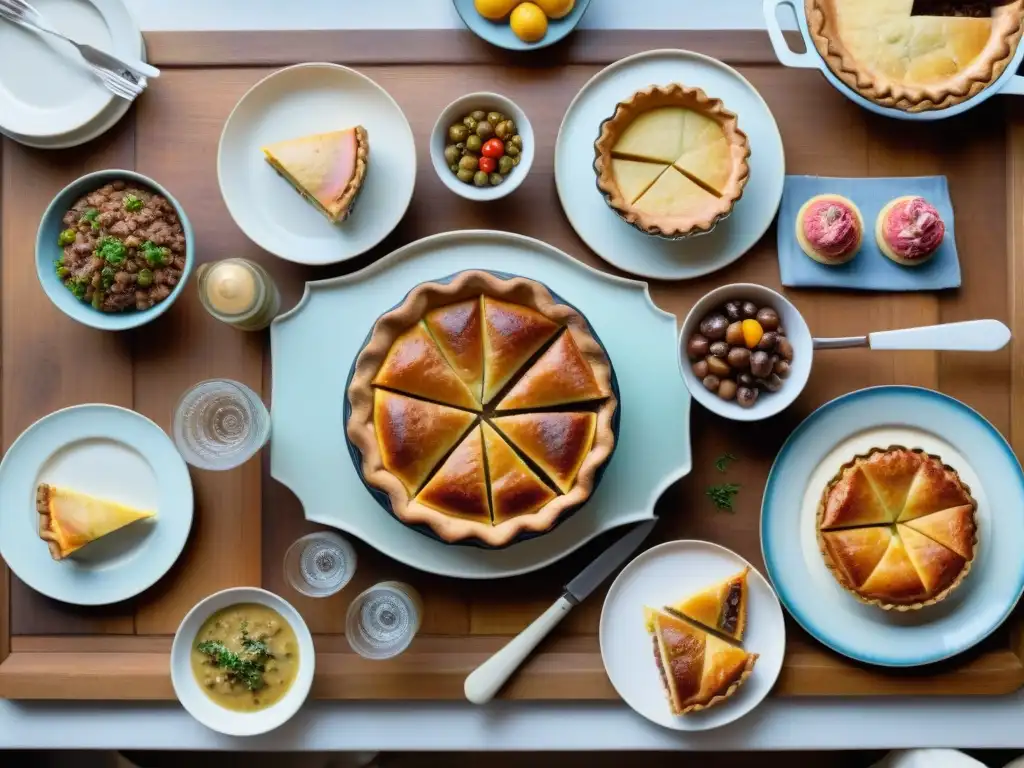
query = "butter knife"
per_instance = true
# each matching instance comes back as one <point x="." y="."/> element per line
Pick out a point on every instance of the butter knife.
<point x="486" y="680"/>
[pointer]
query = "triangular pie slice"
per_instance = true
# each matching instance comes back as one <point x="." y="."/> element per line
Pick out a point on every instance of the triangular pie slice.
<point x="936" y="565"/>
<point x="456" y="329"/>
<point x="700" y="131"/>
<point x="679" y="655"/>
<point x="725" y="665"/>
<point x="721" y="607"/>
<point x="852" y="501"/>
<point x="68" y="520"/>
<point x="634" y="177"/>
<point x="512" y="335"/>
<point x="856" y="552"/>
<point x="515" y="489"/>
<point x="892" y="473"/>
<point x="556" y="442"/>
<point x="895" y="579"/>
<point x="414" y="365"/>
<point x="561" y="376"/>
<point x="710" y="165"/>
<point x="934" y="488"/>
<point x="327" y="169"/>
<point x="459" y="487"/>
<point x="953" y="528"/>
<point x="655" y="135"/>
<point x="674" y="195"/>
<point x="414" y="435"/>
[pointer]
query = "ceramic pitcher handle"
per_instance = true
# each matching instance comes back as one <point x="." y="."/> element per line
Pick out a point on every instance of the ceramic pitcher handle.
<point x="969" y="336"/>
<point x="786" y="55"/>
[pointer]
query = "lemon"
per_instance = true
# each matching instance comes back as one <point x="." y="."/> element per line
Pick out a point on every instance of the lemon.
<point x="495" y="10"/>
<point x="528" y="22"/>
<point x="556" y="9"/>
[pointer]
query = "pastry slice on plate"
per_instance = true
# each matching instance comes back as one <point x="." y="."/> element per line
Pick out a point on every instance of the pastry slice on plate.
<point x="512" y="335"/>
<point x="68" y="520"/>
<point x="854" y="553"/>
<point x="515" y="488"/>
<point x="556" y="442"/>
<point x="674" y="201"/>
<point x="414" y="435"/>
<point x="892" y="473"/>
<point x="459" y="487"/>
<point x="936" y="565"/>
<point x="635" y="177"/>
<point x="654" y="136"/>
<point x="414" y="365"/>
<point x="327" y="169"/>
<point x="953" y="528"/>
<point x="561" y="376"/>
<point x="852" y="501"/>
<point x="456" y="329"/>
<point x="935" y="488"/>
<point x="721" y="606"/>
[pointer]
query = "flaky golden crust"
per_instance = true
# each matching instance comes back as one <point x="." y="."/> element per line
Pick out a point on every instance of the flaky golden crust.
<point x="46" y="532"/>
<point x="959" y="87"/>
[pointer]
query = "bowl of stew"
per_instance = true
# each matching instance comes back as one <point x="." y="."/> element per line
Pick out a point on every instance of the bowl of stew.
<point x="114" y="250"/>
<point x="242" y="661"/>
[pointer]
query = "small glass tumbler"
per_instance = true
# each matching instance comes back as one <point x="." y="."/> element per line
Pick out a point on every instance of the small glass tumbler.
<point x="220" y="424"/>
<point x="319" y="564"/>
<point x="382" y="621"/>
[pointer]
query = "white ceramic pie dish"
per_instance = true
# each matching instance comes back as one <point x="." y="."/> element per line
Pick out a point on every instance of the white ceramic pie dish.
<point x="201" y="706"/>
<point x="1008" y="83"/>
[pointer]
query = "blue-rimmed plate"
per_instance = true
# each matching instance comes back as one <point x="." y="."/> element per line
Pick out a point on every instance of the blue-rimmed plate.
<point x="111" y="453"/>
<point x="499" y="33"/>
<point x="915" y="418"/>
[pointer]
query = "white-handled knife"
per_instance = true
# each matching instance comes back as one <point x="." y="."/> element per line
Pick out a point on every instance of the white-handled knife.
<point x="486" y="680"/>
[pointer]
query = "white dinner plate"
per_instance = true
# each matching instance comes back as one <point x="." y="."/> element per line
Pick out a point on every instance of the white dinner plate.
<point x="112" y="453"/>
<point x="299" y="101"/>
<point x="48" y="96"/>
<point x="617" y="242"/>
<point x="915" y="418"/>
<point x="663" y="575"/>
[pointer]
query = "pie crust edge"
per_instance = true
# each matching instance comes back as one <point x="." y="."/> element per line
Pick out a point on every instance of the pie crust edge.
<point x="344" y="202"/>
<point x="718" y="698"/>
<point x="46" y="532"/>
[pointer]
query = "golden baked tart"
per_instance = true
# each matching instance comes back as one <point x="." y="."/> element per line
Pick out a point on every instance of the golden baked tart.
<point x="721" y="607"/>
<point x="897" y="528"/>
<point x="915" y="55"/>
<point x="68" y="520"/>
<point x="423" y="419"/>
<point x="672" y="161"/>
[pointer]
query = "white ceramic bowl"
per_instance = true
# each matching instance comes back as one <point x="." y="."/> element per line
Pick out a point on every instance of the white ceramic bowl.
<point x="459" y="109"/>
<point x="201" y="706"/>
<point x="768" y="403"/>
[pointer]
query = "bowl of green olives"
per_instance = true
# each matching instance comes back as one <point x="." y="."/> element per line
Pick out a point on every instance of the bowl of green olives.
<point x="482" y="146"/>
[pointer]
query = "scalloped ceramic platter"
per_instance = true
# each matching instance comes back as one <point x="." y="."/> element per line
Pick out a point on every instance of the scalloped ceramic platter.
<point x="112" y="453"/>
<point x="880" y="417"/>
<point x="665" y="574"/>
<point x="617" y="242"/>
<point x="313" y="347"/>
<point x="299" y="101"/>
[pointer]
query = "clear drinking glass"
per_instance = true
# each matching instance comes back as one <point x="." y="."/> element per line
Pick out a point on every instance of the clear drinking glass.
<point x="220" y="424"/>
<point x="319" y="564"/>
<point x="383" y="620"/>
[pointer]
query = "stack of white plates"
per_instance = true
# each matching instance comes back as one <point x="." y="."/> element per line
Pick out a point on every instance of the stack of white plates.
<point x="48" y="97"/>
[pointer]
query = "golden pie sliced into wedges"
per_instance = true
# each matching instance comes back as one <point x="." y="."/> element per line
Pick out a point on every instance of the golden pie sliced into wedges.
<point x="953" y="528"/>
<point x="68" y="520"/>
<point x="558" y="442"/>
<point x="459" y="487"/>
<point x="674" y="203"/>
<point x="854" y="553"/>
<point x="655" y="136"/>
<point x="561" y="376"/>
<point x="635" y="177"/>
<point x="721" y="607"/>
<point x="852" y="501"/>
<point x="515" y="488"/>
<point x="414" y="435"/>
<point x="936" y="565"/>
<point x="891" y="474"/>
<point x="414" y="365"/>
<point x="512" y="335"/>
<point x="895" y="580"/>
<point x="457" y="330"/>
<point x="935" y="487"/>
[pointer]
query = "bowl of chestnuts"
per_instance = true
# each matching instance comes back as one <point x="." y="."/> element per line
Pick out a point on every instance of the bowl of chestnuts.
<point x="745" y="352"/>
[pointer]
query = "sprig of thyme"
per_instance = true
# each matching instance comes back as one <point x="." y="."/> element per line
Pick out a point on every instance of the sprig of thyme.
<point x="247" y="667"/>
<point x="723" y="461"/>
<point x="722" y="495"/>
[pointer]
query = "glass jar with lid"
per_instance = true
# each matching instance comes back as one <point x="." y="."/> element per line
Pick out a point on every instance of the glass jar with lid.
<point x="240" y="293"/>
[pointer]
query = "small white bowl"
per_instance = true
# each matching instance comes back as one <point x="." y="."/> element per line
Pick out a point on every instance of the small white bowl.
<point x="201" y="706"/>
<point x="768" y="403"/>
<point x="459" y="109"/>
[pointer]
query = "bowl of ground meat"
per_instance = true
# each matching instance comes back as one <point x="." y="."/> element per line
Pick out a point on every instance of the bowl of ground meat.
<point x="114" y="250"/>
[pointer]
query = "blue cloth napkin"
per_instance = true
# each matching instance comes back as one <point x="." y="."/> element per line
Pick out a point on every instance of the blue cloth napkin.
<point x="870" y="270"/>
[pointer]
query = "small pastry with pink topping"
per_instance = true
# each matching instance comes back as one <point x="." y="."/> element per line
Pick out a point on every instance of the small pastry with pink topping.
<point x="909" y="230"/>
<point x="829" y="229"/>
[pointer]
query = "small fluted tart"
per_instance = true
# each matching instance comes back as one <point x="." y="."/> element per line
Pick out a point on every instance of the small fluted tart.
<point x="909" y="230"/>
<point x="897" y="528"/>
<point x="829" y="229"/>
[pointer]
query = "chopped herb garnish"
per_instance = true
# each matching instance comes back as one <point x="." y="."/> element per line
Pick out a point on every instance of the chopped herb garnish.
<point x="132" y="203"/>
<point x="107" y="275"/>
<point x="723" y="461"/>
<point x="67" y="237"/>
<point x="246" y="667"/>
<point x="77" y="287"/>
<point x="112" y="251"/>
<point x="90" y="215"/>
<point x="154" y="254"/>
<point x="722" y="495"/>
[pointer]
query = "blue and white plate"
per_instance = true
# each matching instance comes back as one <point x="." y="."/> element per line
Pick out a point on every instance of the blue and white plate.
<point x="499" y="33"/>
<point x="915" y="418"/>
<point x="111" y="453"/>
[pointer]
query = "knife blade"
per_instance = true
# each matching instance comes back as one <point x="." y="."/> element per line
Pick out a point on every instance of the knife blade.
<point x="487" y="679"/>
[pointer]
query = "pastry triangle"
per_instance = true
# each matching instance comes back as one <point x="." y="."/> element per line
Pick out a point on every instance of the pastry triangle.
<point x="512" y="334"/>
<point x="414" y="365"/>
<point x="68" y="520"/>
<point x="673" y="193"/>
<point x="895" y="579"/>
<point x="679" y="654"/>
<point x="635" y="177"/>
<point x="724" y="665"/>
<point x="953" y="528"/>
<point x="852" y="501"/>
<point x="655" y="136"/>
<point x="891" y="474"/>
<point x="561" y="376"/>
<point x="556" y="442"/>
<point x="934" y="488"/>
<point x="936" y="565"/>
<point x="515" y="489"/>
<point x="710" y="166"/>
<point x="721" y="607"/>
<point x="857" y="551"/>
<point x="456" y="329"/>
<point x="414" y="435"/>
<point x="459" y="487"/>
